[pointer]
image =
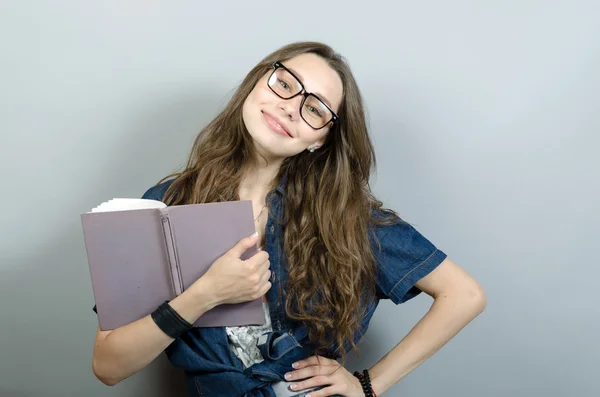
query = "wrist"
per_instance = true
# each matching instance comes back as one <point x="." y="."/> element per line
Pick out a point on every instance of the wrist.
<point x="377" y="388"/>
<point x="365" y="383"/>
<point x="170" y="321"/>
<point x="379" y="382"/>
<point x="203" y="294"/>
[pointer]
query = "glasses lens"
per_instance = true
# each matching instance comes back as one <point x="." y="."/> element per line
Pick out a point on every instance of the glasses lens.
<point x="315" y="113"/>
<point x="284" y="84"/>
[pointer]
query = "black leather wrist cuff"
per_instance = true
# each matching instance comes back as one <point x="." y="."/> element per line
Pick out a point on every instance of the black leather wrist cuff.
<point x="169" y="321"/>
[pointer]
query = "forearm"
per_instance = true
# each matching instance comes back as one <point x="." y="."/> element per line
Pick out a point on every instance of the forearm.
<point x="126" y="350"/>
<point x="448" y="314"/>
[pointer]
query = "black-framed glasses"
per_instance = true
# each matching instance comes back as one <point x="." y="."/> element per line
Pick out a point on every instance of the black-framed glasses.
<point x="312" y="109"/>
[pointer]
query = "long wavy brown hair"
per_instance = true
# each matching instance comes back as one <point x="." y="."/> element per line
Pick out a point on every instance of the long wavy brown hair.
<point x="328" y="206"/>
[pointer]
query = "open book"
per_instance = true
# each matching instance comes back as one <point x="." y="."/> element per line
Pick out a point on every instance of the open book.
<point x="142" y="252"/>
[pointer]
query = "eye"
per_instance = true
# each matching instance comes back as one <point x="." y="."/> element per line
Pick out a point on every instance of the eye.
<point x="284" y="85"/>
<point x="314" y="111"/>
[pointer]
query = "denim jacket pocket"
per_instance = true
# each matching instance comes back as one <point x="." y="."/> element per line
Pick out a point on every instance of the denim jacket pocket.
<point x="274" y="345"/>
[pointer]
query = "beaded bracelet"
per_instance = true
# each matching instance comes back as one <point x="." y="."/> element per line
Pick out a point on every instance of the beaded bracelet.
<point x="365" y="382"/>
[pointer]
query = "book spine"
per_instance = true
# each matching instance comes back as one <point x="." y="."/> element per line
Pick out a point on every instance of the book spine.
<point x="171" y="251"/>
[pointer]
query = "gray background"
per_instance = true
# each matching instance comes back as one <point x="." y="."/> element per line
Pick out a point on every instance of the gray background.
<point x="485" y="120"/>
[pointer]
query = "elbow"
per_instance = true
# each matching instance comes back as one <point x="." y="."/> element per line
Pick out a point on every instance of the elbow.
<point x="102" y="375"/>
<point x="468" y="297"/>
<point x="108" y="382"/>
<point x="476" y="298"/>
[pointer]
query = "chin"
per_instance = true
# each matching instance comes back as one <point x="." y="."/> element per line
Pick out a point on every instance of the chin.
<point x="269" y="146"/>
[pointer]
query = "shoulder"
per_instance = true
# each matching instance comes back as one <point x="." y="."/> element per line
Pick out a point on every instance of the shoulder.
<point x="395" y="229"/>
<point x="157" y="192"/>
<point x="379" y="229"/>
<point x="404" y="255"/>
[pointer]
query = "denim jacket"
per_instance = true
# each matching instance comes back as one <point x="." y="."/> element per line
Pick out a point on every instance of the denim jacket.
<point x="212" y="369"/>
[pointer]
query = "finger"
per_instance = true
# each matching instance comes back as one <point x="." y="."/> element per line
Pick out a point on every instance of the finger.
<point x="266" y="265"/>
<point x="327" y="391"/>
<point x="265" y="276"/>
<point x="314" y="360"/>
<point x="259" y="259"/>
<point x="243" y="245"/>
<point x="261" y="269"/>
<point x="310" y="371"/>
<point x="264" y="289"/>
<point x="321" y="380"/>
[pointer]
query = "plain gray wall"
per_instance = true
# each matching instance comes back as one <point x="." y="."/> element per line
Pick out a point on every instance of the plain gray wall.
<point x="485" y="117"/>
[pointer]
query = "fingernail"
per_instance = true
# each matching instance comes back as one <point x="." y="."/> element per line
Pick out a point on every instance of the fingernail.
<point x="295" y="365"/>
<point x="293" y="387"/>
<point x="288" y="376"/>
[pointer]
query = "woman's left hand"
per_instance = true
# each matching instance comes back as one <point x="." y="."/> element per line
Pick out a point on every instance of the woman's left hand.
<point x="324" y="372"/>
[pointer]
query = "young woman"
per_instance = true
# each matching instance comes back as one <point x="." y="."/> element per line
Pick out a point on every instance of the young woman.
<point x="293" y="139"/>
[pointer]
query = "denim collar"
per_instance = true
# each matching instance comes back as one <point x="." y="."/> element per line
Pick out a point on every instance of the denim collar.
<point x="282" y="184"/>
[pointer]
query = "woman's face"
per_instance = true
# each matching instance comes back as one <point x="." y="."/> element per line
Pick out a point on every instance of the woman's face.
<point x="275" y="124"/>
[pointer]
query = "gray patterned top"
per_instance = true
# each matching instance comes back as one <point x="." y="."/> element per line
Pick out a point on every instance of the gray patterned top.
<point x="242" y="340"/>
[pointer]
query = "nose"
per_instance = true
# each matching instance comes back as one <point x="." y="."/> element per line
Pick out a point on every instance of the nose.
<point x="291" y="107"/>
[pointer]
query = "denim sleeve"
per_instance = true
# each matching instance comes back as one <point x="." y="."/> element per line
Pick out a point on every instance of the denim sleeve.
<point x="405" y="257"/>
<point x="156" y="192"/>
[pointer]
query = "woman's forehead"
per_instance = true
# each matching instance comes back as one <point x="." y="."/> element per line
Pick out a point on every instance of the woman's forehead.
<point x="317" y="77"/>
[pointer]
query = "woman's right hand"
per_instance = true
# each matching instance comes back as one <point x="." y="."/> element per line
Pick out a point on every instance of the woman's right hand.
<point x="234" y="280"/>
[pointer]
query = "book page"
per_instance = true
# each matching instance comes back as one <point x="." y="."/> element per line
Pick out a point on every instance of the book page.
<point x="126" y="204"/>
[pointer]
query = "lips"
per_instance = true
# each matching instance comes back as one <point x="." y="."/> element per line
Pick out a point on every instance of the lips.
<point x="276" y="124"/>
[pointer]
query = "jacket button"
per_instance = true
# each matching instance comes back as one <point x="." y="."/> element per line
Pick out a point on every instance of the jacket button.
<point x="272" y="229"/>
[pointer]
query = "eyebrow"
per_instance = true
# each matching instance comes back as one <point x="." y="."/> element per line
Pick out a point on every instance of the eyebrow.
<point x="320" y="96"/>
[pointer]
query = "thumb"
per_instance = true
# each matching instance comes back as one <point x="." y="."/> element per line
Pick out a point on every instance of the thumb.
<point x="244" y="244"/>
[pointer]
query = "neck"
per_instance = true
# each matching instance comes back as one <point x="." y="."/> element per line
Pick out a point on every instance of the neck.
<point x="257" y="181"/>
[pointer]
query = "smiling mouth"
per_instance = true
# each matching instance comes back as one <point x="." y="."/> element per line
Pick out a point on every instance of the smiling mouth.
<point x="275" y="125"/>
